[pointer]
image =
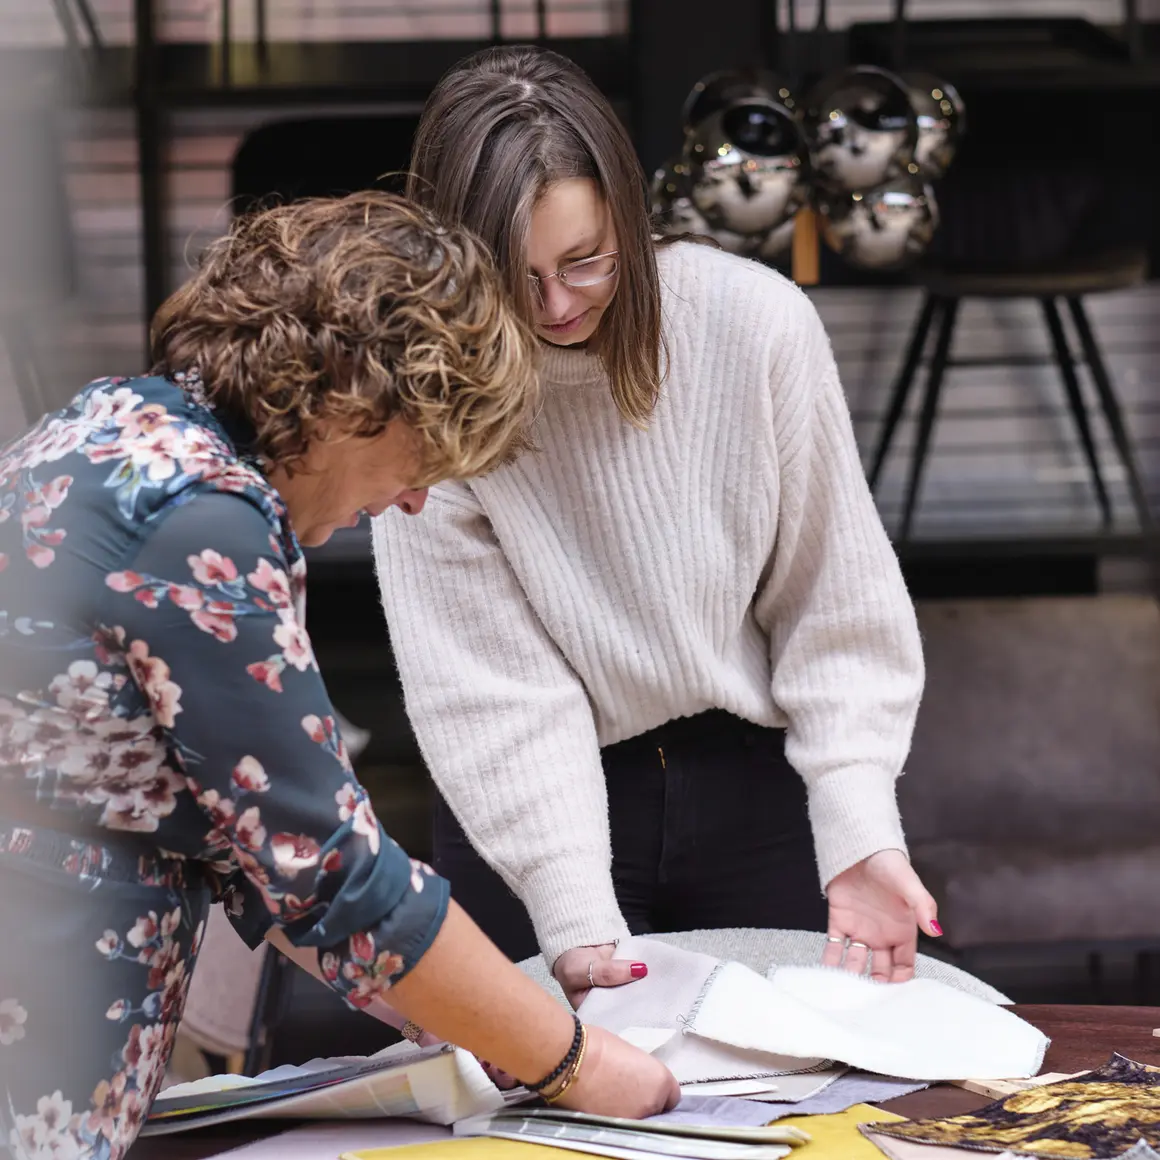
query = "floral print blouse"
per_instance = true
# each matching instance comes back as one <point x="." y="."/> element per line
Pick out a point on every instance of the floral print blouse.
<point x="156" y="678"/>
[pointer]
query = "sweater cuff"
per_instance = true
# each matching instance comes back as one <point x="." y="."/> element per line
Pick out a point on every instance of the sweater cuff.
<point x="572" y="904"/>
<point x="854" y="813"/>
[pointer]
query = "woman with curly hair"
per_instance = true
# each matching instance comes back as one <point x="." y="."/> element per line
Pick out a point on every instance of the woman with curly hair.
<point x="681" y="684"/>
<point x="165" y="736"/>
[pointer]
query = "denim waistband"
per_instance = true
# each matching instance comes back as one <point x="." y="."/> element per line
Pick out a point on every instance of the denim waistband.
<point x="714" y="725"/>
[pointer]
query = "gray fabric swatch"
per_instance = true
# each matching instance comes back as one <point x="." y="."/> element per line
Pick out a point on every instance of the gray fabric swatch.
<point x="855" y="1087"/>
<point x="766" y="950"/>
<point x="717" y="1111"/>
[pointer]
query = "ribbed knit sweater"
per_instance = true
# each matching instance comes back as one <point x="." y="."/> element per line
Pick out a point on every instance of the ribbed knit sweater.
<point x="730" y="556"/>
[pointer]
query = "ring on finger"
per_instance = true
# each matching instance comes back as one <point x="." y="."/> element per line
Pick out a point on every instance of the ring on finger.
<point x="591" y="981"/>
<point x="412" y="1031"/>
<point x="860" y="945"/>
<point x="833" y="939"/>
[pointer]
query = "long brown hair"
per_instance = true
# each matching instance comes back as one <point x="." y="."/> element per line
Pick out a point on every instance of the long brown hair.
<point x="501" y="126"/>
<point x="342" y="314"/>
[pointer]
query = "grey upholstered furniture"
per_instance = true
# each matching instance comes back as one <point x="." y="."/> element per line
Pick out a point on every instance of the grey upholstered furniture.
<point x="1032" y="799"/>
<point x="763" y="950"/>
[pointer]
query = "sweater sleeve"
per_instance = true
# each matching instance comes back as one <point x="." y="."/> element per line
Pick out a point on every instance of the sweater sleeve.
<point x="503" y="722"/>
<point x="846" y="655"/>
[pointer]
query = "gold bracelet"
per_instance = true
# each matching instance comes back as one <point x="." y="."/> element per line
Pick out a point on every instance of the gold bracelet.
<point x="573" y="1071"/>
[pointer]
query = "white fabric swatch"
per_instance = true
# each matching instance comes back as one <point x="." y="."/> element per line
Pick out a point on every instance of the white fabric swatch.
<point x="665" y="999"/>
<point x="915" y="1030"/>
<point x="667" y="995"/>
<point x="730" y="1087"/>
<point x="693" y="1059"/>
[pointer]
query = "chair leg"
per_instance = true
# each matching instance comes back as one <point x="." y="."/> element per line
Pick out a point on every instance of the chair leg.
<point x="1066" y="364"/>
<point x="1143" y="977"/>
<point x="1112" y="411"/>
<point x="268" y="1003"/>
<point x="934" y="380"/>
<point x="902" y="386"/>
<point x="1095" y="973"/>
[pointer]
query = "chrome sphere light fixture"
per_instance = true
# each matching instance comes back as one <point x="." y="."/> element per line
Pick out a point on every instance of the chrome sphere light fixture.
<point x="749" y="166"/>
<point x="942" y="120"/>
<point x="862" y="129"/>
<point x="882" y="229"/>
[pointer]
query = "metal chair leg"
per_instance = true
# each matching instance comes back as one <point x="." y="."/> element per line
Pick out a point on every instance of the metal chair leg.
<point x="934" y="381"/>
<point x="902" y="385"/>
<point x="1112" y="412"/>
<point x="268" y="1003"/>
<point x="1066" y="364"/>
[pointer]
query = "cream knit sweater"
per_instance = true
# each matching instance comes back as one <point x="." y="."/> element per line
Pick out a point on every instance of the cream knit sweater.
<point x="728" y="557"/>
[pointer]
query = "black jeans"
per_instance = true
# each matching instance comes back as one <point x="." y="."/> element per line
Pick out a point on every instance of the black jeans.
<point x="709" y="830"/>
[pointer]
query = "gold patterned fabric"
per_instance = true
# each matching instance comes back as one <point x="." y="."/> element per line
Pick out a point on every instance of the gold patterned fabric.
<point x="1097" y="1116"/>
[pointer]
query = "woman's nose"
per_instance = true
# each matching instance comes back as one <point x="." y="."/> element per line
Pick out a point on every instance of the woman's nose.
<point x="557" y="301"/>
<point x="412" y="501"/>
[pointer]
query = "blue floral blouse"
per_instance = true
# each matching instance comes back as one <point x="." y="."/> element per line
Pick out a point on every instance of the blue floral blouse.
<point x="156" y="678"/>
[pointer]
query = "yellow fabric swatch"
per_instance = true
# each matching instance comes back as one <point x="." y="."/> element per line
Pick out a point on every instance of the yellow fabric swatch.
<point x="471" y="1148"/>
<point x="833" y="1137"/>
<point x="836" y="1136"/>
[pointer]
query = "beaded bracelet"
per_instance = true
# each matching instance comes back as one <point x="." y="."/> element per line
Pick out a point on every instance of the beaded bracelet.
<point x="566" y="1062"/>
<point x="573" y="1071"/>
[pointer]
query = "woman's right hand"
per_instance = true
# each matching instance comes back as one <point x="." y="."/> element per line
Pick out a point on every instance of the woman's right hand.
<point x="464" y="991"/>
<point x="617" y="1079"/>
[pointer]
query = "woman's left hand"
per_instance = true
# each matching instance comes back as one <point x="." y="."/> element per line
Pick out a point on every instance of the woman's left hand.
<point x="875" y="909"/>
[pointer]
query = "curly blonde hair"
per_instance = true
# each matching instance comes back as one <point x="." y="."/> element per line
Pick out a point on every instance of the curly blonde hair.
<point x="330" y="317"/>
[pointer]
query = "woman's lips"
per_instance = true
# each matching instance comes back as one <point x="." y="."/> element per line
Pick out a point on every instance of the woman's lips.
<point x="565" y="327"/>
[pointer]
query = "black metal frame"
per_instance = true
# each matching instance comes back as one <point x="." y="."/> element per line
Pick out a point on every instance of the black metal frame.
<point x="165" y="76"/>
<point x="269" y="1004"/>
<point x="944" y="309"/>
<point x="1133" y="32"/>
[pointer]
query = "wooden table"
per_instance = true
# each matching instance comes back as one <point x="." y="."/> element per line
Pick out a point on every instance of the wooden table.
<point x="1082" y="1038"/>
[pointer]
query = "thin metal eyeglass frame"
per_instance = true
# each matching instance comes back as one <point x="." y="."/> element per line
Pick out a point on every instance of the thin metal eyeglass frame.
<point x="563" y="271"/>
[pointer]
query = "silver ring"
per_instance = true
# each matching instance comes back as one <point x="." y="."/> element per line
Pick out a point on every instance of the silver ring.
<point x="860" y="945"/>
<point x="591" y="981"/>
<point x="831" y="939"/>
<point x="412" y="1031"/>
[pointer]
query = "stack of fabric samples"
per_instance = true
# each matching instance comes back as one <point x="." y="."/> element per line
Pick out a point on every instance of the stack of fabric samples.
<point x="1112" y="1113"/>
<point x="766" y="1062"/>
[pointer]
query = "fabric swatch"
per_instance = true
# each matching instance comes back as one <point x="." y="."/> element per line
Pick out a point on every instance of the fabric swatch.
<point x="919" y="1030"/>
<point x="909" y="1150"/>
<point x="1098" y="1116"/>
<point x="692" y="1059"/>
<point x="856" y="1087"/>
<point x="717" y="1111"/>
<point x="664" y="1000"/>
<point x="665" y="996"/>
<point x="838" y="1137"/>
<point x="766" y="951"/>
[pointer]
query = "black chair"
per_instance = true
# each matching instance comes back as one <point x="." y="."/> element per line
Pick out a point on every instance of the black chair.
<point x="1070" y="281"/>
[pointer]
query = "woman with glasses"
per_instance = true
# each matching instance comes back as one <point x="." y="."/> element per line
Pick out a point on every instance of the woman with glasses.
<point x="665" y="670"/>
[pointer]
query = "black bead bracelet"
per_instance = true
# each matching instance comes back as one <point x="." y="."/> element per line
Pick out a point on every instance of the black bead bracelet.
<point x="565" y="1063"/>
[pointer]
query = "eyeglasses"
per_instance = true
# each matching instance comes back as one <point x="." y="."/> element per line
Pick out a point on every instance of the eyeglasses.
<point x="577" y="275"/>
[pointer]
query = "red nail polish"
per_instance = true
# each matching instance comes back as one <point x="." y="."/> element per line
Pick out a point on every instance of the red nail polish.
<point x="935" y="926"/>
<point x="638" y="970"/>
